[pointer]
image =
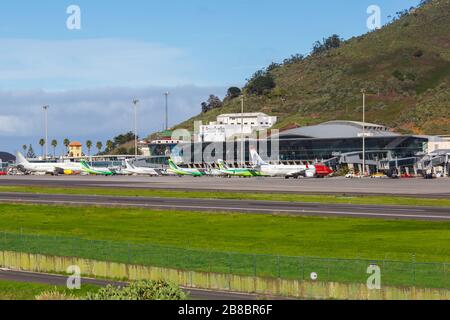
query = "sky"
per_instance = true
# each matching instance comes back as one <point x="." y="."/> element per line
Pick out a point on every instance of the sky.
<point x="143" y="48"/>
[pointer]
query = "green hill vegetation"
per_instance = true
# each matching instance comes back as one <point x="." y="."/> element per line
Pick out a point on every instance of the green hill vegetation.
<point x="404" y="66"/>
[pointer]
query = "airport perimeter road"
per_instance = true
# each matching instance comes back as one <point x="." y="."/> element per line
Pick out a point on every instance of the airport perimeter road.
<point x="406" y="187"/>
<point x="239" y="206"/>
<point x="58" y="280"/>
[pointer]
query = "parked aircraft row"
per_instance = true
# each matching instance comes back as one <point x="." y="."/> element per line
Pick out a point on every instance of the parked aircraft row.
<point x="260" y="169"/>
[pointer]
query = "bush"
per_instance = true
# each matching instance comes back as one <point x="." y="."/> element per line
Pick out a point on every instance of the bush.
<point x="418" y="53"/>
<point x="398" y="75"/>
<point x="142" y="290"/>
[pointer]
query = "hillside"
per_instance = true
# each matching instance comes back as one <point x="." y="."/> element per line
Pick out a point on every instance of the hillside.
<point x="405" y="67"/>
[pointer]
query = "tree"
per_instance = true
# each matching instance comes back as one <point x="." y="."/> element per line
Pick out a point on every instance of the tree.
<point x="329" y="43"/>
<point x="109" y="146"/>
<point x="294" y="59"/>
<point x="205" y="107"/>
<point x="260" y="83"/>
<point x="42" y="144"/>
<point x="89" y="147"/>
<point x="273" y="66"/>
<point x="66" y="144"/>
<point x="54" y="145"/>
<point x="233" y="92"/>
<point x="30" y="153"/>
<point x="99" y="146"/>
<point x="214" y="102"/>
<point x="24" y="147"/>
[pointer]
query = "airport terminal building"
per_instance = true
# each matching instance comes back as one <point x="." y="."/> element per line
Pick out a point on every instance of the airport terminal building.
<point x="335" y="143"/>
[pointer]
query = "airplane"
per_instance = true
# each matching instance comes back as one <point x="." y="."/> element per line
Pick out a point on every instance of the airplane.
<point x="46" y="167"/>
<point x="237" y="172"/>
<point x="96" y="171"/>
<point x="140" y="171"/>
<point x="289" y="171"/>
<point x="174" y="169"/>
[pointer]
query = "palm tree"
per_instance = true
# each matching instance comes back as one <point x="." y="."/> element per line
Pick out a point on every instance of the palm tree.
<point x="66" y="144"/>
<point x="89" y="146"/>
<point x="54" y="145"/>
<point x="99" y="146"/>
<point x="42" y="144"/>
<point x="109" y="145"/>
<point x="24" y="147"/>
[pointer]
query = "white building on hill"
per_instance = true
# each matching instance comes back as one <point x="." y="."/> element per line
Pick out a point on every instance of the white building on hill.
<point x="230" y="125"/>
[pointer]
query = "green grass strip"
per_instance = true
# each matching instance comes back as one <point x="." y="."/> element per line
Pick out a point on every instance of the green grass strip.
<point x="12" y="290"/>
<point x="241" y="233"/>
<point x="330" y="199"/>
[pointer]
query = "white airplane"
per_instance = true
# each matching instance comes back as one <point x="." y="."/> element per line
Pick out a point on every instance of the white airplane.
<point x="140" y="171"/>
<point x="288" y="171"/>
<point x="46" y="167"/>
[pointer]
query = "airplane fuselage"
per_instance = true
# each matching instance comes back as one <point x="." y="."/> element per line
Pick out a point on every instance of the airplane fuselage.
<point x="288" y="171"/>
<point x="141" y="172"/>
<point x="50" y="168"/>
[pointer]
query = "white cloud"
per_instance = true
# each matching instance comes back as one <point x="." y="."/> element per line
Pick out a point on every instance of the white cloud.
<point x="13" y="125"/>
<point x="96" y="114"/>
<point x="93" y="62"/>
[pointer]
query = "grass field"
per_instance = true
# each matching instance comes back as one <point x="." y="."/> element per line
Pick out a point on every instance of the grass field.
<point x="343" y="199"/>
<point x="242" y="233"/>
<point x="11" y="290"/>
<point x="259" y="245"/>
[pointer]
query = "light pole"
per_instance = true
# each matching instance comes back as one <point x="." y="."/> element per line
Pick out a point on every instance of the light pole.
<point x="135" y="103"/>
<point x="167" y="110"/>
<point x="242" y="131"/>
<point x="45" y="108"/>
<point x="363" y="91"/>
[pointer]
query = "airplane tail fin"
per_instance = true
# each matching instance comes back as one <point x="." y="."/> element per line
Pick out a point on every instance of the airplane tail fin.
<point x="85" y="164"/>
<point x="172" y="165"/>
<point x="222" y="165"/>
<point x="20" y="159"/>
<point x="128" y="164"/>
<point x="256" y="159"/>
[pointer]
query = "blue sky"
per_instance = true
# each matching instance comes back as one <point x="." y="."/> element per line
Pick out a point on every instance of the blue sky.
<point x="154" y="45"/>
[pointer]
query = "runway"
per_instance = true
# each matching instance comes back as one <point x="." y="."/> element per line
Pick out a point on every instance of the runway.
<point x="58" y="280"/>
<point x="437" y="188"/>
<point x="238" y="206"/>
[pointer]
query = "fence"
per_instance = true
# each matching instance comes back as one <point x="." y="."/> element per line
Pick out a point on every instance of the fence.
<point x="394" y="273"/>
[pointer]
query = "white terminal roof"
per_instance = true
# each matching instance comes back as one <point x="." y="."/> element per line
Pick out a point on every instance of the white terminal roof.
<point x="338" y="129"/>
<point x="246" y="115"/>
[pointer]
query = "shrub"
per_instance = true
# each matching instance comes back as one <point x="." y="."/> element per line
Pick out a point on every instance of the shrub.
<point x="398" y="75"/>
<point x="142" y="290"/>
<point x="418" y="53"/>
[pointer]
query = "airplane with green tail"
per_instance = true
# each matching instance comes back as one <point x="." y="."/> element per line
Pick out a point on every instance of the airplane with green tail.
<point x="173" y="168"/>
<point x="237" y="172"/>
<point x="95" y="171"/>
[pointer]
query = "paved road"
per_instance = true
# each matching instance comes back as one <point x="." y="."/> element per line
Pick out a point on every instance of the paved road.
<point x="406" y="187"/>
<point x="244" y="206"/>
<point x="58" y="280"/>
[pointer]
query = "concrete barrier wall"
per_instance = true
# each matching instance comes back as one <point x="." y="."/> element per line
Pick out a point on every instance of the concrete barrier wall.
<point x="215" y="281"/>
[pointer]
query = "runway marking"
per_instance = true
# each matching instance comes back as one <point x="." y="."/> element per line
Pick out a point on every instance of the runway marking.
<point x="341" y="213"/>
